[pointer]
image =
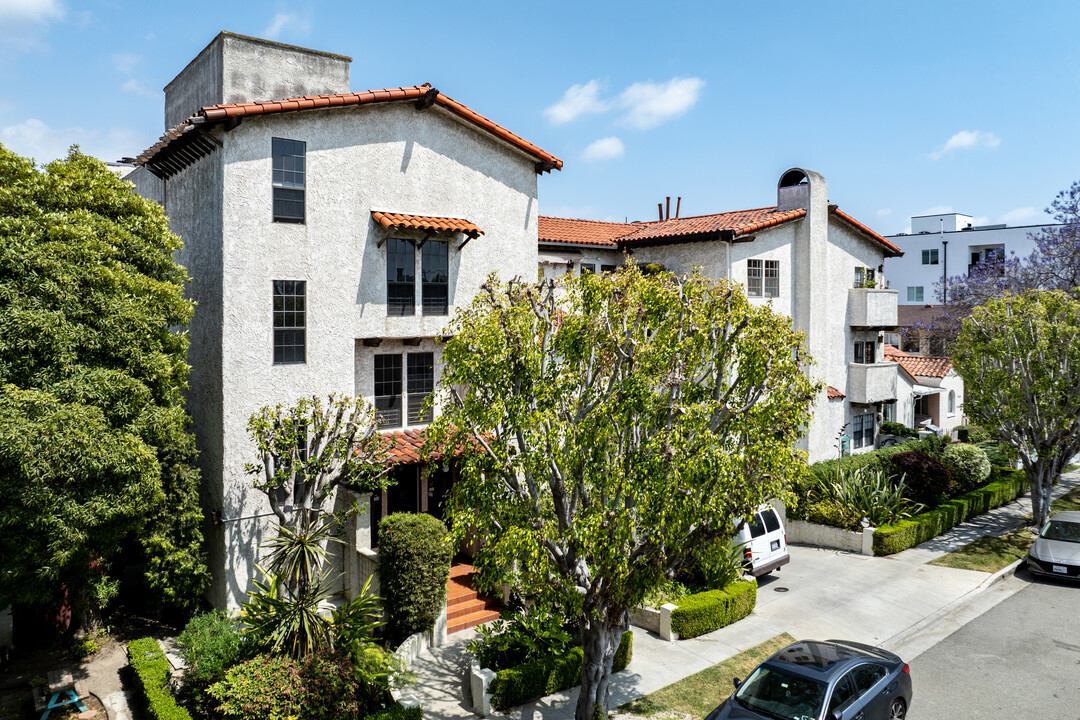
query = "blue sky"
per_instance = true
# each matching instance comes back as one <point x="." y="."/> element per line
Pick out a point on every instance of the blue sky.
<point x="906" y="108"/>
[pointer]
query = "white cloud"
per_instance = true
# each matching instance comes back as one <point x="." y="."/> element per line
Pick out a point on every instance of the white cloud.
<point x="575" y="102"/>
<point x="32" y="11"/>
<point x="649" y="104"/>
<point x="125" y="63"/>
<point x="1021" y="215"/>
<point x="286" y="21"/>
<point x="604" y="149"/>
<point x="33" y="138"/>
<point x="134" y="86"/>
<point x="966" y="139"/>
<point x="884" y="212"/>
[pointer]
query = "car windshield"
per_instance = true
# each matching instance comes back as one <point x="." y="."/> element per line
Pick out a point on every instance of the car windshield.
<point x="777" y="694"/>
<point x="1061" y="530"/>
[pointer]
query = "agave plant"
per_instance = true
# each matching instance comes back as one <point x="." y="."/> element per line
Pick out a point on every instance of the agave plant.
<point x="872" y="494"/>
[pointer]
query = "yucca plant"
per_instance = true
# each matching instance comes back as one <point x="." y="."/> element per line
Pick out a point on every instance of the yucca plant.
<point x="872" y="494"/>
<point x="287" y="623"/>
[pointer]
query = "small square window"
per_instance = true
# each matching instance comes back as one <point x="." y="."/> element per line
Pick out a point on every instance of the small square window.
<point x="930" y="257"/>
<point x="915" y="293"/>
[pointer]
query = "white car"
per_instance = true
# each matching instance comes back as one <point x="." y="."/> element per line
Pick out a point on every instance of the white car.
<point x="764" y="542"/>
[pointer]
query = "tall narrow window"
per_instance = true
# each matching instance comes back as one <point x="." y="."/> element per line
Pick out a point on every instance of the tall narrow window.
<point x="753" y="278"/>
<point x="400" y="277"/>
<point x="421" y="385"/>
<point x="434" y="277"/>
<point x="862" y="427"/>
<point x="290" y="321"/>
<point x="388" y="391"/>
<point x="289" y="176"/>
<point x="952" y="402"/>
<point x="772" y="278"/>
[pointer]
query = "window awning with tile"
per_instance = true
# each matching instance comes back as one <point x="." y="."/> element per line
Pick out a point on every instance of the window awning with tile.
<point x="426" y="223"/>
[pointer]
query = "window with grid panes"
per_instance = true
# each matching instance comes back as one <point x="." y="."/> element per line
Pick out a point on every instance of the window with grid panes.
<point x="434" y="277"/>
<point x="400" y="277"/>
<point x="289" y="179"/>
<point x="753" y="278"/>
<point x="772" y="278"/>
<point x="290" y="321"/>
<point x="865" y="352"/>
<point x="421" y="383"/>
<point x="862" y="430"/>
<point x="388" y="391"/>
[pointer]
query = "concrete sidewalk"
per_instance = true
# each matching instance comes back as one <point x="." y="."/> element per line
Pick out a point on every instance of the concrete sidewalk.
<point x="898" y="602"/>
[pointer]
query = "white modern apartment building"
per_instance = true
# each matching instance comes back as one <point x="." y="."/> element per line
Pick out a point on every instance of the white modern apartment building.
<point x="947" y="245"/>
<point x="329" y="237"/>
<point x="804" y="257"/>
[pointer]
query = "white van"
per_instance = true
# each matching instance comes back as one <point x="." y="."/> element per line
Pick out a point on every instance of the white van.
<point x="764" y="542"/>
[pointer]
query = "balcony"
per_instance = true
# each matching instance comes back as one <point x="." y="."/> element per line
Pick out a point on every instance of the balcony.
<point x="872" y="383"/>
<point x="871" y="308"/>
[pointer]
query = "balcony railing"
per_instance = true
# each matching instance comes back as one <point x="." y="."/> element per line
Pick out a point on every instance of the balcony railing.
<point x="871" y="308"/>
<point x="871" y="383"/>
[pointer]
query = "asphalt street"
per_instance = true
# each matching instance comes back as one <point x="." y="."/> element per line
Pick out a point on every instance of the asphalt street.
<point x="1020" y="659"/>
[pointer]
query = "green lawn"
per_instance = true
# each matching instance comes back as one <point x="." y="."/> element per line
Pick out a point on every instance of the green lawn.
<point x="1068" y="501"/>
<point x="699" y="694"/>
<point x="989" y="554"/>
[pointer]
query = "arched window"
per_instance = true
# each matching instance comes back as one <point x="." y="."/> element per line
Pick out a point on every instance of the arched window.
<point x="952" y="402"/>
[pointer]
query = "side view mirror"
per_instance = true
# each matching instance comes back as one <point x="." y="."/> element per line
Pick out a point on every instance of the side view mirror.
<point x="838" y="715"/>
<point x="736" y="682"/>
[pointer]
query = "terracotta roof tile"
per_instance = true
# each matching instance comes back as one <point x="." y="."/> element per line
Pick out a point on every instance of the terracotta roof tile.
<point x="214" y="113"/>
<point x="426" y="222"/>
<point x="919" y="365"/>
<point x="582" y="232"/>
<point x="833" y="393"/>
<point x="739" y="222"/>
<point x="404" y="447"/>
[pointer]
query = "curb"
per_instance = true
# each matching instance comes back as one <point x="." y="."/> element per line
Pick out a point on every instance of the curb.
<point x="903" y="635"/>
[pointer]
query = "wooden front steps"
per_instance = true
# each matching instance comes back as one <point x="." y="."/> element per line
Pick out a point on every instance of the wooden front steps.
<point x="466" y="608"/>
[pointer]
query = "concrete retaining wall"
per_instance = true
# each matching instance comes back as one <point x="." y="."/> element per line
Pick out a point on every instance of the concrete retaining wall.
<point x="808" y="533"/>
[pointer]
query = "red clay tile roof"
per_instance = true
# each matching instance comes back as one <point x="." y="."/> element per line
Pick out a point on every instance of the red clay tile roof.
<point x="217" y="113"/>
<point x="919" y="365"/>
<point x="404" y="447"/>
<point x="582" y="232"/>
<point x="426" y="222"/>
<point x="739" y="222"/>
<point x="833" y="393"/>
<point x="891" y="250"/>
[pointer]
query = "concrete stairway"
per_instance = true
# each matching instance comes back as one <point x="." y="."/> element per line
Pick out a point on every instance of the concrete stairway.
<point x="466" y="608"/>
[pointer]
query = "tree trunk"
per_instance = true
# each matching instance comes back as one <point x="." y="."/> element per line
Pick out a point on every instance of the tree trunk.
<point x="1042" y="475"/>
<point x="599" y="642"/>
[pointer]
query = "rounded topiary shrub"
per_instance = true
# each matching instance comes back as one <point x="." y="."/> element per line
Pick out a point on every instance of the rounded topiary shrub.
<point x="414" y="564"/>
<point x="926" y="480"/>
<point x="969" y="464"/>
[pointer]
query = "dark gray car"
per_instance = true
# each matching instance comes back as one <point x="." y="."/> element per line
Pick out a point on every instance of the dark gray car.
<point x="1056" y="552"/>
<point x="830" y="680"/>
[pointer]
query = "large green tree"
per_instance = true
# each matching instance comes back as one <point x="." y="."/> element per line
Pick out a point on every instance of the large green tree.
<point x="1019" y="356"/>
<point x="610" y="427"/>
<point x="95" y="452"/>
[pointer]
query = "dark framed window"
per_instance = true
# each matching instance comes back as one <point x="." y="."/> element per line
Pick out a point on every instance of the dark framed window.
<point x="421" y="376"/>
<point x="862" y="430"/>
<point x="608" y="268"/>
<point x="753" y="277"/>
<point x="587" y="268"/>
<point x="865" y="352"/>
<point x="772" y="278"/>
<point x="930" y="257"/>
<point x="864" y="277"/>
<point x="400" y="277"/>
<point x="434" y="277"/>
<point x="290" y="321"/>
<point x="388" y="391"/>
<point x="289" y="179"/>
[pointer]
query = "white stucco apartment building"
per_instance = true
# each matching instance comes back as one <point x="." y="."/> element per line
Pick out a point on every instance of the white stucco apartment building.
<point x="804" y="257"/>
<point x="947" y="245"/>
<point x="329" y="238"/>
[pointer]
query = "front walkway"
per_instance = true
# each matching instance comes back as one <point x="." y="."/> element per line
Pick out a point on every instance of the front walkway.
<point x="821" y="594"/>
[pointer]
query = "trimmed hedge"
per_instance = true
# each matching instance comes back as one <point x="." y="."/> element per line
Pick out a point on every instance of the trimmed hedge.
<point x="152" y="671"/>
<point x="713" y="609"/>
<point x="536" y="678"/>
<point x="890" y="539"/>
<point x="414" y="564"/>
<point x="825" y="471"/>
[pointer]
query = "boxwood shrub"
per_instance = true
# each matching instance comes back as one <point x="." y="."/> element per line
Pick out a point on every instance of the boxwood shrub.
<point x="414" y="565"/>
<point x="396" y="712"/>
<point x="152" y="671"/>
<point x="713" y="609"/>
<point x="1007" y="486"/>
<point x="536" y="678"/>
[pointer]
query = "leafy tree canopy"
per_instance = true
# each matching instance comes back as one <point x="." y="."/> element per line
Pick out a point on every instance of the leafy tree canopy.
<point x="94" y="437"/>
<point x="1020" y="359"/>
<point x="610" y="427"/>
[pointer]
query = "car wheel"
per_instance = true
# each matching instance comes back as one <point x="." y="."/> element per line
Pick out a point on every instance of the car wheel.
<point x="897" y="711"/>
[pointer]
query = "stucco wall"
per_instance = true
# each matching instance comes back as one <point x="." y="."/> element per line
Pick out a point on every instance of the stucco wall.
<point x="388" y="157"/>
